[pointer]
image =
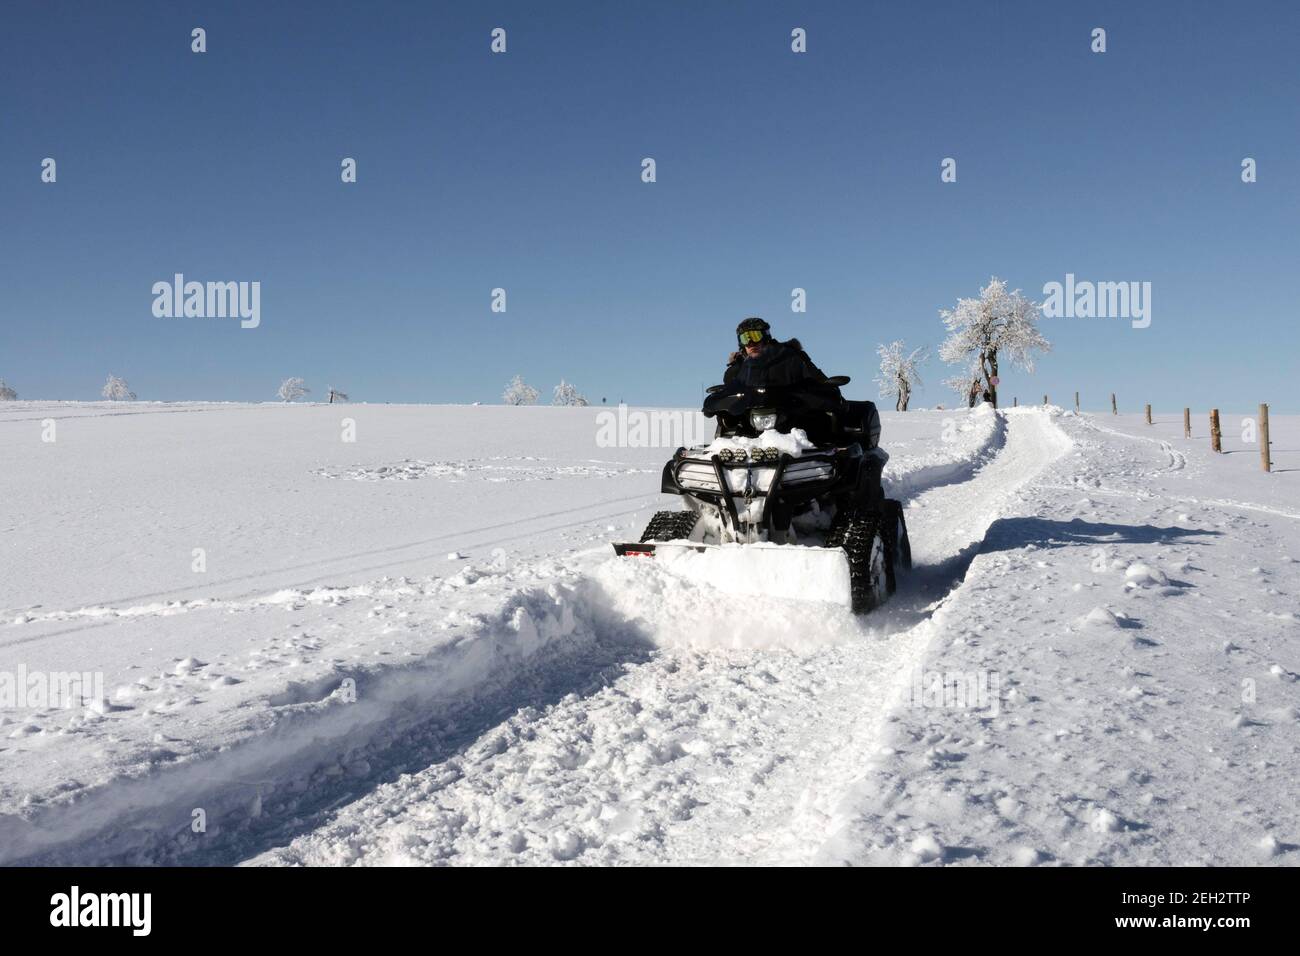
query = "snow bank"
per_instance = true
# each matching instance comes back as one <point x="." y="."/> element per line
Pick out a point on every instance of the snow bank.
<point x="319" y="729"/>
<point x="967" y="440"/>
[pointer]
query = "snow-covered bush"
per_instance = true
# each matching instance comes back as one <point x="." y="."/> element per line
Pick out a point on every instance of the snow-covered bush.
<point x="998" y="323"/>
<point x="292" y="389"/>
<point x="566" y="394"/>
<point x="7" y="394"/>
<point x="116" y="390"/>
<point x="898" y="372"/>
<point x="519" y="392"/>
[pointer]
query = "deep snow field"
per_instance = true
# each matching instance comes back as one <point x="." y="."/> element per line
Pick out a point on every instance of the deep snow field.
<point x="418" y="648"/>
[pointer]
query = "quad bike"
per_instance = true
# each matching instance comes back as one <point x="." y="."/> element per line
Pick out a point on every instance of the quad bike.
<point x="788" y="493"/>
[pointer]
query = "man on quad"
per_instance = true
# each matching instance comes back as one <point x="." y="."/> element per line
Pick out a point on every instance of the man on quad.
<point x="761" y="360"/>
<point x="826" y="497"/>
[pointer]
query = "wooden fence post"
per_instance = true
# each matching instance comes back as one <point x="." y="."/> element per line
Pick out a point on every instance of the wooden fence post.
<point x="1015" y="403"/>
<point x="1187" y="423"/>
<point x="1216" y="443"/>
<point x="1076" y="403"/>
<point x="1044" y="399"/>
<point x="1114" y="409"/>
<point x="1265" y="458"/>
<point x="1148" y="414"/>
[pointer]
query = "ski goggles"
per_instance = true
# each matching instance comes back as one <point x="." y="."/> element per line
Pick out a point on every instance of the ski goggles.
<point x="751" y="336"/>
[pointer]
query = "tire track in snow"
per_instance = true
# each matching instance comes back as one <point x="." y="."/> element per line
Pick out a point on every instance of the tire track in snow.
<point x="319" y="750"/>
<point x="1177" y="460"/>
<point x="947" y="527"/>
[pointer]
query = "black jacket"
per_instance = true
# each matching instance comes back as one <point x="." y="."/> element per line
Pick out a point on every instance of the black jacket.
<point x="781" y="363"/>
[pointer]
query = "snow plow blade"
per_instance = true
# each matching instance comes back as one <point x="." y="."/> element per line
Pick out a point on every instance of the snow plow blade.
<point x="773" y="570"/>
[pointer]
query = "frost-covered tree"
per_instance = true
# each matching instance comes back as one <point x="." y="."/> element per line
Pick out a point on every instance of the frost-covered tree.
<point x="116" y="390"/>
<point x="7" y="393"/>
<point x="337" y="395"/>
<point x="519" y="392"/>
<point x="967" y="388"/>
<point x="968" y="385"/>
<point x="998" y="324"/>
<point x="292" y="389"/>
<point x="898" y="371"/>
<point x="566" y="394"/>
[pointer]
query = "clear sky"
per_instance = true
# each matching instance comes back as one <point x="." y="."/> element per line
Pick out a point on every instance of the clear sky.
<point x="775" y="170"/>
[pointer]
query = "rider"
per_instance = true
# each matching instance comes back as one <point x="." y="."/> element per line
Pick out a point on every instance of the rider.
<point x="761" y="360"/>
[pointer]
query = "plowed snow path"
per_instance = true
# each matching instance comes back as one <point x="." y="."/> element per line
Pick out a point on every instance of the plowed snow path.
<point x="730" y="743"/>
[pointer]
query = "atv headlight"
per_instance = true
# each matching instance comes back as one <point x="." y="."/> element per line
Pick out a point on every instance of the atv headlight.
<point x="762" y="419"/>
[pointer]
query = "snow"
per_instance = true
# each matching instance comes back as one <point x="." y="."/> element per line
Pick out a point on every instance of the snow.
<point x="1140" y="575"/>
<point x="440" y="662"/>
<point x="1142" y="743"/>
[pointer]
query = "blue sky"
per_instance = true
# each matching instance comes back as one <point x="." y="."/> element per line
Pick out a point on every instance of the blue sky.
<point x="522" y="171"/>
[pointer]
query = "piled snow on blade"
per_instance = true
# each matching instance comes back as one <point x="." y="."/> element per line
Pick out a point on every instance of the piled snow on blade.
<point x="765" y="570"/>
<point x="731" y="596"/>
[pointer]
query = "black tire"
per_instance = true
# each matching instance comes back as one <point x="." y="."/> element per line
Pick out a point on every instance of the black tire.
<point x="896" y="536"/>
<point x="904" y="544"/>
<point x="861" y="533"/>
<point x="670" y="526"/>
